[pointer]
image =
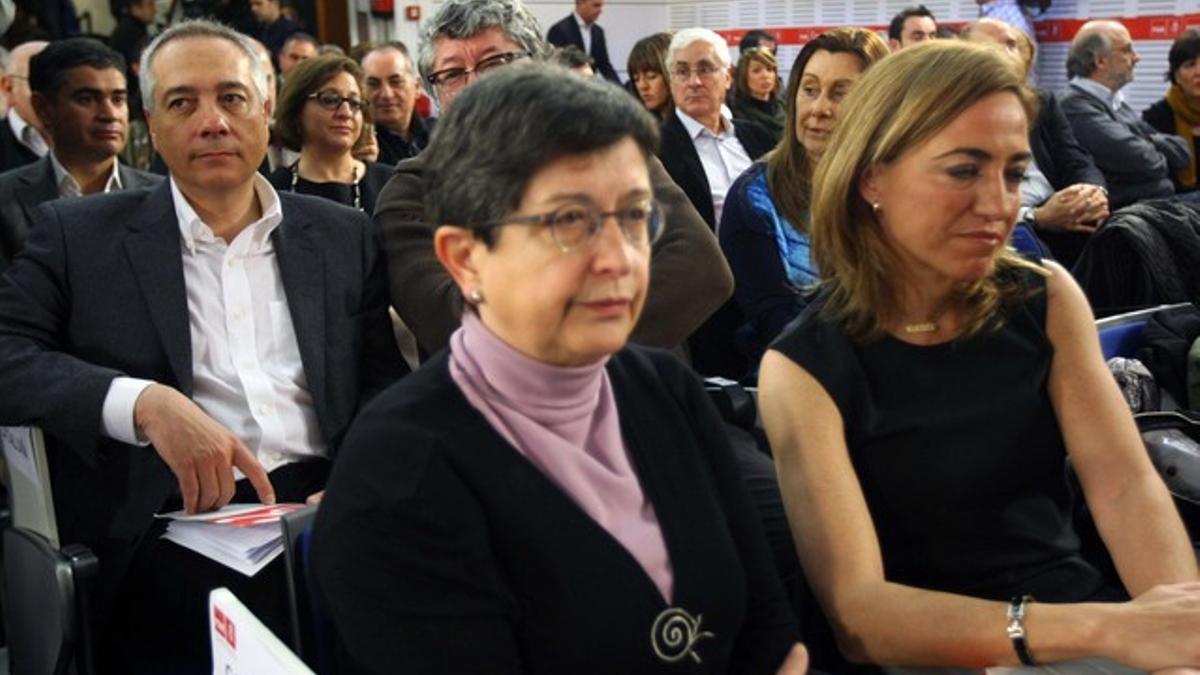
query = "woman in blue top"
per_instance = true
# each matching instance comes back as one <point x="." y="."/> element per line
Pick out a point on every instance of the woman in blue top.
<point x="763" y="229"/>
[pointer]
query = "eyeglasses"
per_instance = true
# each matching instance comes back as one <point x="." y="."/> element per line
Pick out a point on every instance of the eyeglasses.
<point x="331" y="101"/>
<point x="452" y="79"/>
<point x="683" y="72"/>
<point x="574" y="226"/>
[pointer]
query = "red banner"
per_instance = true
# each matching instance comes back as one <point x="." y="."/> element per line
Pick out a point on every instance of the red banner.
<point x="1163" y="27"/>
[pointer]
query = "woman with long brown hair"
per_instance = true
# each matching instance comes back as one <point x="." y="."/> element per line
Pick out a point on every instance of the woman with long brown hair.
<point x="764" y="225"/>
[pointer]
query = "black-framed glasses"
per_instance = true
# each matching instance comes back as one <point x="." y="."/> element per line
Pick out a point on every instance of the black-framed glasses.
<point x="331" y="101"/>
<point x="451" y="79"/>
<point x="574" y="226"/>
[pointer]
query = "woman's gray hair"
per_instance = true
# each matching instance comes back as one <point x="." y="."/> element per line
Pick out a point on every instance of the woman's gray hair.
<point x="199" y="28"/>
<point x="687" y="36"/>
<point x="484" y="149"/>
<point x="462" y="19"/>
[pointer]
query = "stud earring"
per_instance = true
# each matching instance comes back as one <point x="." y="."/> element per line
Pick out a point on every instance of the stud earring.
<point x="876" y="208"/>
<point x="476" y="296"/>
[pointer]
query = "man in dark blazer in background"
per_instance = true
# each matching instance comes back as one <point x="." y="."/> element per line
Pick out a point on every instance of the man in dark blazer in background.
<point x="704" y="151"/>
<point x="21" y="139"/>
<point x="580" y="29"/>
<point x="164" y="338"/>
<point x="80" y="96"/>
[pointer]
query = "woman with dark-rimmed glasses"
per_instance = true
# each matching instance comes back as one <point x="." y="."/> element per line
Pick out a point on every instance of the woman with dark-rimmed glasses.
<point x="322" y="113"/>
<point x="542" y="497"/>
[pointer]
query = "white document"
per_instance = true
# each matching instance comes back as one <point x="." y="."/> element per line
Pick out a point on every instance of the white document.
<point x="242" y="645"/>
<point x="243" y="537"/>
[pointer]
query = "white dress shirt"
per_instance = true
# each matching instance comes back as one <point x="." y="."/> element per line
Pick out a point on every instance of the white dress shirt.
<point x="246" y="367"/>
<point x="585" y="29"/>
<point x="69" y="187"/>
<point x="722" y="155"/>
<point x="26" y="134"/>
<point x="1035" y="187"/>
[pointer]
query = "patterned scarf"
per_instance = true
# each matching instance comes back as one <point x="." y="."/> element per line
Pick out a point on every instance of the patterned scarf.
<point x="1187" y="121"/>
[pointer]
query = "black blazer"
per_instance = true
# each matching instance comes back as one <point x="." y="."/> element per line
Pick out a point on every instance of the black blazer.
<point x="439" y="548"/>
<point x="1058" y="155"/>
<point x="12" y="153"/>
<point x="678" y="154"/>
<point x="99" y="292"/>
<point x="566" y="32"/>
<point x="24" y="188"/>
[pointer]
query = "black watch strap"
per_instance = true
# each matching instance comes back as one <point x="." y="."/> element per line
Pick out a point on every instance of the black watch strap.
<point x="1016" y="628"/>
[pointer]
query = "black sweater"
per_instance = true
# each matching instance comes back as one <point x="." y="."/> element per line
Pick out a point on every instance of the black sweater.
<point x="440" y="549"/>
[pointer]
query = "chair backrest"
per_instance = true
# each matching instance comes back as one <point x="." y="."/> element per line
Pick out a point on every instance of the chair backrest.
<point x="47" y="606"/>
<point x="242" y="644"/>
<point x="312" y="633"/>
<point x="29" y="481"/>
<point x="1121" y="335"/>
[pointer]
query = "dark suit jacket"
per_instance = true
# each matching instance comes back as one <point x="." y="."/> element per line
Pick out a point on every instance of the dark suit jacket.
<point x="1137" y="160"/>
<point x="566" y="32"/>
<point x="1058" y="155"/>
<point x="678" y="154"/>
<point x="24" y="188"/>
<point x="713" y="345"/>
<point x="468" y="559"/>
<point x="12" y="153"/>
<point x="99" y="292"/>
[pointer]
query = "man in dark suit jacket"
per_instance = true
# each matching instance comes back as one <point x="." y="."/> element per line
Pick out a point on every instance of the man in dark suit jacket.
<point x="80" y="95"/>
<point x="1135" y="158"/>
<point x="221" y="324"/>
<point x="570" y="31"/>
<point x="704" y="151"/>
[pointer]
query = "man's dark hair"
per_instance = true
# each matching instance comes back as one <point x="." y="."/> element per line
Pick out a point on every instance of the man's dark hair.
<point x="574" y="116"/>
<point x="896" y="29"/>
<point x="48" y="68"/>
<point x="1185" y="48"/>
<point x="755" y="38"/>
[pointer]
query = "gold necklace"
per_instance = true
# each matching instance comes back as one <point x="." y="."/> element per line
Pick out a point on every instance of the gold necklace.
<point x="926" y="327"/>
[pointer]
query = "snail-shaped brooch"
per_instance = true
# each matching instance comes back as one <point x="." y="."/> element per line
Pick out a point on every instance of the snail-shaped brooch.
<point x="675" y="633"/>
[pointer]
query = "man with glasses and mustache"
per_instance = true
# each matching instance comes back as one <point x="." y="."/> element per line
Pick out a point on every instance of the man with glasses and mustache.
<point x="462" y="41"/>
<point x="705" y="151"/>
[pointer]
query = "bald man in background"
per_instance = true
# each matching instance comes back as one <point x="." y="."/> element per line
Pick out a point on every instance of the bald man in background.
<point x="22" y="140"/>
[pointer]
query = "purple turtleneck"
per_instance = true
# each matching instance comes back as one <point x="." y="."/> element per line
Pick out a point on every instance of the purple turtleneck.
<point x="563" y="420"/>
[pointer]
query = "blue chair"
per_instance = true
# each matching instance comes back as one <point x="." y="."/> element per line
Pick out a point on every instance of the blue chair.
<point x="312" y="632"/>
<point x="1122" y="335"/>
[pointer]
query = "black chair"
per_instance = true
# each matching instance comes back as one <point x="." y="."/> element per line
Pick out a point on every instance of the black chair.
<point x="312" y="633"/>
<point x="47" y="586"/>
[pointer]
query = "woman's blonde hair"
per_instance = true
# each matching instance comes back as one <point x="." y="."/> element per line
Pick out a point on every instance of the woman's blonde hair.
<point x="789" y="168"/>
<point x="897" y="105"/>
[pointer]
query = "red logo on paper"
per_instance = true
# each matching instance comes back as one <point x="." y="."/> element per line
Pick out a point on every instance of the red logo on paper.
<point x="224" y="627"/>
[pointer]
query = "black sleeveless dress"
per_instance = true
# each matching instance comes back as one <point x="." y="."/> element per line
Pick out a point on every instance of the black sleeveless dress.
<point x="959" y="454"/>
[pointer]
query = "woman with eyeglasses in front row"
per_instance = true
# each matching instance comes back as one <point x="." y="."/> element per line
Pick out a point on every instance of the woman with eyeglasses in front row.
<point x="541" y="497"/>
<point x="321" y="113"/>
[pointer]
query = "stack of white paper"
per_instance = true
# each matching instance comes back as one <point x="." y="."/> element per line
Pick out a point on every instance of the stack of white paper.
<point x="243" y="537"/>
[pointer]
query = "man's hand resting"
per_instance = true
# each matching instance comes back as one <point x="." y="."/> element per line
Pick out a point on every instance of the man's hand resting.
<point x="199" y="451"/>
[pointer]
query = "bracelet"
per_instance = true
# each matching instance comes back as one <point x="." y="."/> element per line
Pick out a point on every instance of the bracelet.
<point x="1016" y="628"/>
